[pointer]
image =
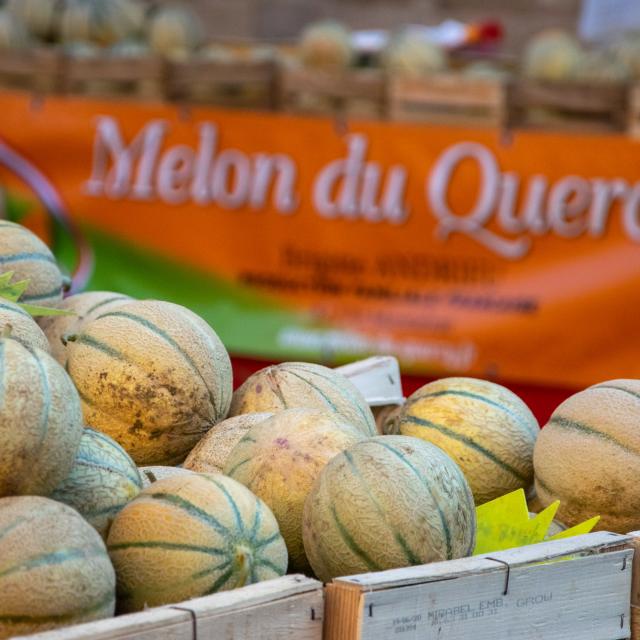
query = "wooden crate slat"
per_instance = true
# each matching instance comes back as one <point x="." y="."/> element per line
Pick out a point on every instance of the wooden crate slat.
<point x="287" y="608"/>
<point x="633" y="116"/>
<point x="448" y="98"/>
<point x="155" y="624"/>
<point x="564" y="590"/>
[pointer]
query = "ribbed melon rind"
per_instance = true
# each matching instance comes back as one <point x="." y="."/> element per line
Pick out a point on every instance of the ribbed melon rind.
<point x="54" y="568"/>
<point x="102" y="481"/>
<point x="387" y="502"/>
<point x="588" y="457"/>
<point x="488" y="430"/>
<point x="280" y="459"/>
<point x="152" y="375"/>
<point x="292" y="385"/>
<point x="30" y="259"/>
<point x="191" y="536"/>
<point x="40" y="421"/>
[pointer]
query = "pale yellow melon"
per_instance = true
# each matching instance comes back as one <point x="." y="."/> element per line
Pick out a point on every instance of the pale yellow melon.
<point x="280" y="459"/>
<point x="174" y="30"/>
<point x="103" y="22"/>
<point x="293" y="385"/>
<point x="155" y="473"/>
<point x="40" y="421"/>
<point x="102" y="481"/>
<point x="152" y="375"/>
<point x="30" y="259"/>
<point x="387" y="502"/>
<point x="191" y="536"/>
<point x="588" y="457"/>
<point x="488" y="430"/>
<point x="211" y="453"/>
<point x="413" y="56"/>
<point x="54" y="568"/>
<point x="552" y="54"/>
<point x="85" y="307"/>
<point x="326" y="46"/>
<point x="19" y="325"/>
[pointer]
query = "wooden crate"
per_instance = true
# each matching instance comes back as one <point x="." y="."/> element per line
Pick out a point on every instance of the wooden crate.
<point x="135" y="77"/>
<point x="583" y="107"/>
<point x="359" y="92"/>
<point x="288" y="608"/>
<point x="35" y="70"/>
<point x="633" y="123"/>
<point x="233" y="83"/>
<point x="574" y="589"/>
<point x="449" y="99"/>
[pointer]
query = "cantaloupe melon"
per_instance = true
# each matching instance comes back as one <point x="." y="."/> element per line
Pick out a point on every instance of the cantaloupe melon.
<point x="302" y="385"/>
<point x="54" y="568"/>
<point x="102" y="481"/>
<point x="191" y="536"/>
<point x="152" y="375"/>
<point x="626" y="51"/>
<point x="102" y="22"/>
<point x="488" y="430"/>
<point x="588" y="457"/>
<point x="601" y="67"/>
<point x="40" y="421"/>
<point x="326" y="46"/>
<point x="413" y="56"/>
<point x="20" y="326"/>
<point x="552" y="54"/>
<point x="156" y="473"/>
<point x="85" y="308"/>
<point x="40" y="17"/>
<point x="174" y="30"/>
<point x="30" y="259"/>
<point x="280" y="459"/>
<point x="386" y="502"/>
<point x="211" y="453"/>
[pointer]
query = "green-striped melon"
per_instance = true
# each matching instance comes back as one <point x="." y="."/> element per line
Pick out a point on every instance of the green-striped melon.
<point x="152" y="375"/>
<point x="156" y="473"/>
<point x="54" y="568"/>
<point x="191" y="536"/>
<point x="40" y="421"/>
<point x="211" y="453"/>
<point x="386" y="502"/>
<point x="294" y="385"/>
<point x="85" y="307"/>
<point x="174" y="31"/>
<point x="588" y="457"/>
<point x="30" y="259"/>
<point x="102" y="481"/>
<point x="19" y="325"/>
<point x="488" y="430"/>
<point x="13" y="35"/>
<point x="280" y="459"/>
<point x="103" y="22"/>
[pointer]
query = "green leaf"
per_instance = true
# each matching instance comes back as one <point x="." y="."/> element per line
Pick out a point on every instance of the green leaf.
<point x="5" y="279"/>
<point x="14" y="291"/>
<point x="44" y="311"/>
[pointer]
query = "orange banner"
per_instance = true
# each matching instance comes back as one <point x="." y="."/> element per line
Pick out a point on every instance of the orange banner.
<point x="455" y="249"/>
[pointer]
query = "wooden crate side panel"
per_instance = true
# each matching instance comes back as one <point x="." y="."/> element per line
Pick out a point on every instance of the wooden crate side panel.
<point x="584" y="597"/>
<point x="295" y="618"/>
<point x="588" y="544"/>
<point x="448" y="98"/>
<point x="155" y="624"/>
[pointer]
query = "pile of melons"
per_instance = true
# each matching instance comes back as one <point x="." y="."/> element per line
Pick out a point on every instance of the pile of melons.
<point x="132" y="476"/>
<point x="123" y="28"/>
